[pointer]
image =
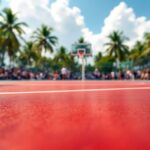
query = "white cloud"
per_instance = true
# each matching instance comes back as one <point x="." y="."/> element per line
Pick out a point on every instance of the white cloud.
<point x="69" y="24"/>
<point x="120" y="18"/>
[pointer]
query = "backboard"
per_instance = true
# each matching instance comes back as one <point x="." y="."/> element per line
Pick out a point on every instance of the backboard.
<point x="78" y="48"/>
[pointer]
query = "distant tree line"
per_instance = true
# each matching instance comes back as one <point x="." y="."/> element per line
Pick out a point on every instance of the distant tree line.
<point x="31" y="53"/>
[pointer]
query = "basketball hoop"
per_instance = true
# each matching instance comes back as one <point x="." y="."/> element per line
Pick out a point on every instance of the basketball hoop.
<point x="81" y="53"/>
<point x="81" y="50"/>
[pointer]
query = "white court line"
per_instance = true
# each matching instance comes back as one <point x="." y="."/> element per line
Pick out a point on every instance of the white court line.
<point x="72" y="91"/>
<point x="109" y="83"/>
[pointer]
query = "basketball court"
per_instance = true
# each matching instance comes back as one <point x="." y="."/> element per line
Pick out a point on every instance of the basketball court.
<point x="75" y="115"/>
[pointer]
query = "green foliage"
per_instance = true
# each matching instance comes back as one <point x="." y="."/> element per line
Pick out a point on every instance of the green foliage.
<point x="116" y="47"/>
<point x="44" y="39"/>
<point x="98" y="57"/>
<point x="64" y="59"/>
<point x="140" y="53"/>
<point x="29" y="54"/>
<point x="11" y="30"/>
<point x="81" y="40"/>
<point x="147" y="44"/>
<point x="136" y="54"/>
<point x="105" y="64"/>
<point x="2" y="51"/>
<point x="90" y="68"/>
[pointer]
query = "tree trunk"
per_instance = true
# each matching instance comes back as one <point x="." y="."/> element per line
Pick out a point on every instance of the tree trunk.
<point x="118" y="64"/>
<point x="11" y="62"/>
<point x="2" y="64"/>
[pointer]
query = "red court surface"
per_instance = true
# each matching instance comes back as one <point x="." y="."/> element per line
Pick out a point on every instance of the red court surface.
<point x="75" y="115"/>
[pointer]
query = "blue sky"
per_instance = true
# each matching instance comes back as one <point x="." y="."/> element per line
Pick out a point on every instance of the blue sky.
<point x="95" y="11"/>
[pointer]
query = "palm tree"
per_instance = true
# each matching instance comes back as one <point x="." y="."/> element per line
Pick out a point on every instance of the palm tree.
<point x="98" y="57"/>
<point x="81" y="40"/>
<point x="137" y="51"/>
<point x="11" y="31"/>
<point x="104" y="64"/>
<point x="63" y="58"/>
<point x="61" y="55"/>
<point x="116" y="47"/>
<point x="44" y="39"/>
<point x="29" y="56"/>
<point x="147" y="44"/>
<point x="2" y="51"/>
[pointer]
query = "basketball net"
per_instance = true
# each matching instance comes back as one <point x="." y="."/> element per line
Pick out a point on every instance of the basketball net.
<point x="81" y="54"/>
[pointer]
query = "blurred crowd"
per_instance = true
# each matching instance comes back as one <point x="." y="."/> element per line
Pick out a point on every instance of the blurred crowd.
<point x="123" y="75"/>
<point x="24" y="74"/>
<point x="65" y="74"/>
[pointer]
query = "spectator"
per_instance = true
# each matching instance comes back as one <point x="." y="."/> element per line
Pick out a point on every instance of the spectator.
<point x="55" y="75"/>
<point x="22" y="74"/>
<point x="64" y="73"/>
<point x="96" y="73"/>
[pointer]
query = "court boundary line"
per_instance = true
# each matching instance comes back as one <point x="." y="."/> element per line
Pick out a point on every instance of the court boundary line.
<point x="72" y="82"/>
<point x="74" y="91"/>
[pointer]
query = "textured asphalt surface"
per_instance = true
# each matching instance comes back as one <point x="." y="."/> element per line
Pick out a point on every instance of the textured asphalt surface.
<point x="75" y="115"/>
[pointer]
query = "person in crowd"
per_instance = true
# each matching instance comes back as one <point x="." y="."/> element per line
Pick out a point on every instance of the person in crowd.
<point x="23" y="74"/>
<point x="96" y="73"/>
<point x="55" y="75"/>
<point x="64" y="73"/>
